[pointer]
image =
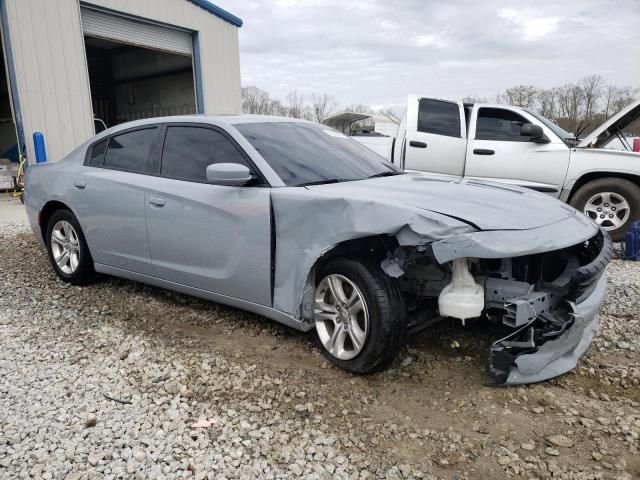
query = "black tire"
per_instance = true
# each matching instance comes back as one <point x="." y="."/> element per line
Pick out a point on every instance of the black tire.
<point x="624" y="188"/>
<point x="387" y="314"/>
<point x="84" y="273"/>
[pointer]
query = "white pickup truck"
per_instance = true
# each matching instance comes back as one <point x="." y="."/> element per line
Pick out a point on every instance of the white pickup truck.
<point x="513" y="145"/>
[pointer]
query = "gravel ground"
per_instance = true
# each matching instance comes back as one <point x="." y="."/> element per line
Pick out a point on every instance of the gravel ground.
<point x="106" y="381"/>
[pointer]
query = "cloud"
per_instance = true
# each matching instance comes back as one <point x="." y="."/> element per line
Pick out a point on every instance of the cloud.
<point x="378" y="51"/>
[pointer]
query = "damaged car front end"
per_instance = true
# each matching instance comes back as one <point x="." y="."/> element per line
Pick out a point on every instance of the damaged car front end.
<point x="547" y="302"/>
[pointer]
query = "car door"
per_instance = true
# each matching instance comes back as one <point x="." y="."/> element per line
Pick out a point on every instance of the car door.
<point x="109" y="200"/>
<point x="497" y="151"/>
<point x="435" y="139"/>
<point x="212" y="237"/>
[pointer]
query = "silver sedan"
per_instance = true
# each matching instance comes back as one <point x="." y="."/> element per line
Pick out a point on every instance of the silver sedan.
<point x="296" y="222"/>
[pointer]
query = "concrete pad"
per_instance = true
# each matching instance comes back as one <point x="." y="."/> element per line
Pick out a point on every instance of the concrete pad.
<point x="11" y="209"/>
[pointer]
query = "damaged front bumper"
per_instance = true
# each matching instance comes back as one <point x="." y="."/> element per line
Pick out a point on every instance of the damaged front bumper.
<point x="552" y="358"/>
<point x="555" y="322"/>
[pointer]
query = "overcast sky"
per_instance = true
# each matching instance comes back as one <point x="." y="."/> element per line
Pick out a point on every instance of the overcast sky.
<point x="377" y="51"/>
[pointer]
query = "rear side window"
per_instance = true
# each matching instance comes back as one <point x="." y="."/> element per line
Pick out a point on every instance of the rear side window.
<point x="189" y="150"/>
<point x="132" y="151"/>
<point x="439" y="117"/>
<point x="97" y="153"/>
<point x="499" y="124"/>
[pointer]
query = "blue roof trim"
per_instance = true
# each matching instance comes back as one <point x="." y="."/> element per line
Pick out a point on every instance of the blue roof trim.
<point x="218" y="12"/>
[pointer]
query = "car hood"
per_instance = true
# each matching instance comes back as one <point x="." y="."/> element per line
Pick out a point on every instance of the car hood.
<point x="483" y="205"/>
<point x="602" y="135"/>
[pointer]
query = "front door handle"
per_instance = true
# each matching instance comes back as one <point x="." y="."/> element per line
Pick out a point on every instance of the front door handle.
<point x="415" y="143"/>
<point x="156" y="201"/>
<point x="80" y="184"/>
<point x="483" y="151"/>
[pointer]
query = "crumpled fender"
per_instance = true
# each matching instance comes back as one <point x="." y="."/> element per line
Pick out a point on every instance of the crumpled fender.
<point x="309" y="223"/>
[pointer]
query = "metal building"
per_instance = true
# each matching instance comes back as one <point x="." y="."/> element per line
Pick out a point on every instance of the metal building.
<point x="72" y="66"/>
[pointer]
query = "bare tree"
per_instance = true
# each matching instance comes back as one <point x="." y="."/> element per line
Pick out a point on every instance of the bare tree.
<point x="571" y="106"/>
<point x="521" y="96"/>
<point x="322" y="105"/>
<point x="296" y="105"/>
<point x="358" y="108"/>
<point x="591" y="92"/>
<point x="255" y="100"/>
<point x="546" y="103"/>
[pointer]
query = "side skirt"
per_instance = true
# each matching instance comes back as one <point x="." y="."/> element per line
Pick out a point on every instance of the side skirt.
<point x="275" y="315"/>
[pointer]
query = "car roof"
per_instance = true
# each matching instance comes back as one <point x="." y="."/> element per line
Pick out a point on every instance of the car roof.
<point x="210" y="119"/>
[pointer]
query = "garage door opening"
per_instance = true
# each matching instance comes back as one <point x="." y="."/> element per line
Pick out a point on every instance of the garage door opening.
<point x="9" y="152"/>
<point x="130" y="82"/>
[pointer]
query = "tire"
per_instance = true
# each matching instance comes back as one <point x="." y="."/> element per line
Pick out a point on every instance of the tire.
<point x="592" y="196"/>
<point x="80" y="272"/>
<point x="386" y="325"/>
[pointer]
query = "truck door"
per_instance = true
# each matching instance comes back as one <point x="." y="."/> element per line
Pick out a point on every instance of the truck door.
<point x="435" y="140"/>
<point x="497" y="151"/>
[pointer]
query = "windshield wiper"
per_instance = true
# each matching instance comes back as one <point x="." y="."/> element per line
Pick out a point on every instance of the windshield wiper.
<point x="390" y="173"/>
<point x="320" y="182"/>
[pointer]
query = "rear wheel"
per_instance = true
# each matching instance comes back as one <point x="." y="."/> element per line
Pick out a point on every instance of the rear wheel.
<point x="359" y="315"/>
<point x="67" y="248"/>
<point x="612" y="203"/>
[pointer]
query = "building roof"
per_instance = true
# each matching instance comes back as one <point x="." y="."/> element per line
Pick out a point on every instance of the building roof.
<point x="218" y="12"/>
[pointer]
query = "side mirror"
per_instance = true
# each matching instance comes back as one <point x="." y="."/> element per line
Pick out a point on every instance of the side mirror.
<point x="232" y="174"/>
<point x="534" y="132"/>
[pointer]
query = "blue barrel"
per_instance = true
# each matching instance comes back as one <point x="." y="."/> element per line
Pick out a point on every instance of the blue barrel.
<point x="38" y="146"/>
<point x="632" y="242"/>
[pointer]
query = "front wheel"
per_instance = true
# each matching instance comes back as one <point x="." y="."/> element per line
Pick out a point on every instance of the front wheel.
<point x="613" y="203"/>
<point x="359" y="315"/>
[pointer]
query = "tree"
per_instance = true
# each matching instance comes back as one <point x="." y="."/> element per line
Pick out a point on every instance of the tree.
<point x="296" y="107"/>
<point x="322" y="105"/>
<point x="571" y="106"/>
<point x="520" y="96"/>
<point x="591" y="92"/>
<point x="255" y="100"/>
<point x="358" y="108"/>
<point x="546" y="103"/>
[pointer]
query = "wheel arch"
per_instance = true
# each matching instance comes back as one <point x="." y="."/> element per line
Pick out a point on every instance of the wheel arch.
<point x="588" y="177"/>
<point x="374" y="247"/>
<point x="47" y="211"/>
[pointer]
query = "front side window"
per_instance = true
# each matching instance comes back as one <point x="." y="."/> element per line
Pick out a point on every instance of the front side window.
<point x="132" y="151"/>
<point x="303" y="153"/>
<point x="439" y="117"/>
<point x="189" y="150"/>
<point x="500" y="124"/>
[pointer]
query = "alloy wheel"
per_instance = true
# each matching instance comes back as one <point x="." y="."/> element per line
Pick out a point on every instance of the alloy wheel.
<point x="65" y="247"/>
<point x="341" y="317"/>
<point x="608" y="209"/>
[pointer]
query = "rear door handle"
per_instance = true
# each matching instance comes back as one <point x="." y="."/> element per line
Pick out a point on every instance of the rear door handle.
<point x="156" y="201"/>
<point x="415" y="143"/>
<point x="484" y="151"/>
<point x="80" y="184"/>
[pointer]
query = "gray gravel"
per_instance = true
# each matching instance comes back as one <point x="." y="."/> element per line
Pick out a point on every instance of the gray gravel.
<point x="106" y="381"/>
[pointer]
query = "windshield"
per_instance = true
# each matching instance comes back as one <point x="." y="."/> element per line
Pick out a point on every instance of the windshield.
<point x="305" y="154"/>
<point x="560" y="132"/>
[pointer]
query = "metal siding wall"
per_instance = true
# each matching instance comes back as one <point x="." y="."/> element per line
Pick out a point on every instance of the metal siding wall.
<point x="219" y="50"/>
<point x="51" y="73"/>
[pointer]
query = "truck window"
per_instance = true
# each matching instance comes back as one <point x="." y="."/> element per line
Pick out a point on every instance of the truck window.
<point x="500" y="124"/>
<point x="439" y="117"/>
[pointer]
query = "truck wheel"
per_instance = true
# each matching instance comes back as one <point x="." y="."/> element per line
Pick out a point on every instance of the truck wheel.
<point x="613" y="203"/>
<point x="67" y="248"/>
<point x="359" y="314"/>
